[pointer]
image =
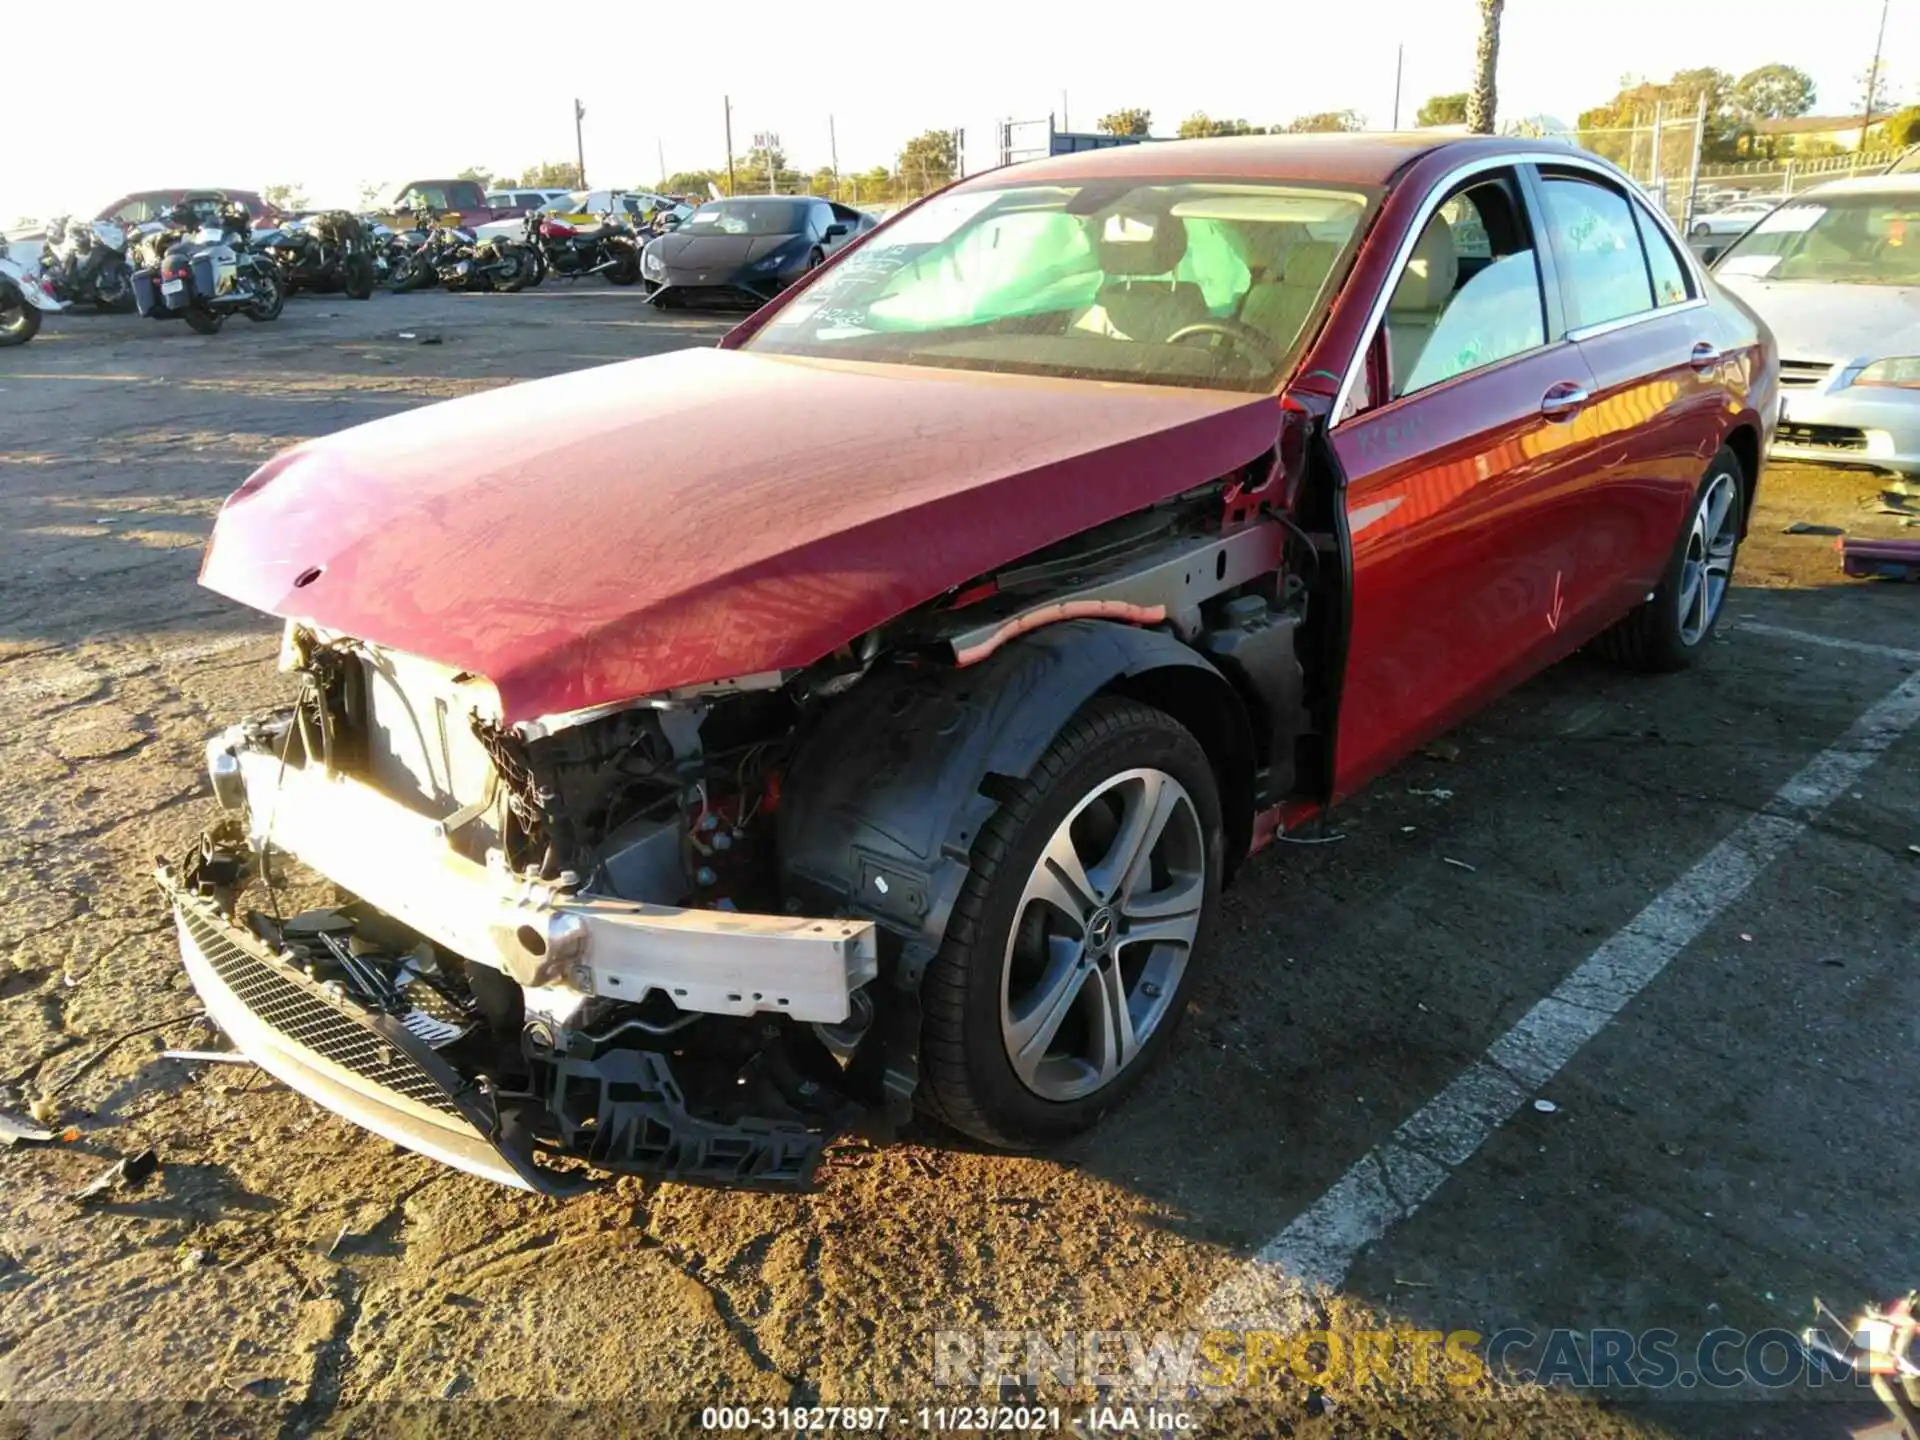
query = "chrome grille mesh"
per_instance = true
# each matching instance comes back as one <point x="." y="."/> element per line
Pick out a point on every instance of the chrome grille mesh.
<point x="286" y="1007"/>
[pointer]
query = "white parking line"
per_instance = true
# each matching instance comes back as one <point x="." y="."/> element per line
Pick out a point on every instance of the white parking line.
<point x="1274" y="1290"/>
<point x="1832" y="642"/>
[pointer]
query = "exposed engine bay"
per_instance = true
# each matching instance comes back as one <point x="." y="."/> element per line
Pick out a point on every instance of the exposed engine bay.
<point x="680" y="936"/>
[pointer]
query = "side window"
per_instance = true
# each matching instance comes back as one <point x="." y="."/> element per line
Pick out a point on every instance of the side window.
<point x="1597" y="246"/>
<point x="1470" y="294"/>
<point x="1669" y="275"/>
<point x="819" y="217"/>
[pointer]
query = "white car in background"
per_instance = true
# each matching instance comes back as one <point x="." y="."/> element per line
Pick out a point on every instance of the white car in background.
<point x="1735" y="219"/>
<point x="524" y="197"/>
<point x="636" y="207"/>
<point x="1835" y="273"/>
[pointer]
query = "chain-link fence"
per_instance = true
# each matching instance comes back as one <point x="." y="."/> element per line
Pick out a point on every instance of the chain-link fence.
<point x="1712" y="201"/>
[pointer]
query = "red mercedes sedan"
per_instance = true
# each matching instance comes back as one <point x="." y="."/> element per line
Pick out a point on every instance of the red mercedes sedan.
<point x="1016" y="575"/>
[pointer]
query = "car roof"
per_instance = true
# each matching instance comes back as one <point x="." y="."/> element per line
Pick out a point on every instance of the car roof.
<point x="1366" y="158"/>
<point x="1905" y="184"/>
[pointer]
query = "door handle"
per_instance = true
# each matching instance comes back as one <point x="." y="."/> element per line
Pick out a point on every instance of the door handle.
<point x="1563" y="401"/>
<point x="1706" y="356"/>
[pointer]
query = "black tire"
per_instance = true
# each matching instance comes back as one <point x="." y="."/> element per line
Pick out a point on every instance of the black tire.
<point x="539" y="265"/>
<point x="1654" y="636"/>
<point x="203" y="322"/>
<point x="410" y="273"/>
<point x="18" y="325"/>
<point x="1702" y="230"/>
<point x="358" y="277"/>
<point x="627" y="270"/>
<point x="113" y="292"/>
<point x="523" y="269"/>
<point x="967" y="1078"/>
<point x="272" y="292"/>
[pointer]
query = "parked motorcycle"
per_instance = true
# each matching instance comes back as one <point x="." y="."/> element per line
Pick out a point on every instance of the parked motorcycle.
<point x="87" y="261"/>
<point x="205" y="270"/>
<point x="387" y="246"/>
<point x="451" y="256"/>
<point x="329" y="251"/>
<point x="24" y="294"/>
<point x="573" y="251"/>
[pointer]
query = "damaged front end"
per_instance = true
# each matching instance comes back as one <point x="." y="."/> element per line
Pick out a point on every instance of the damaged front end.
<point x="548" y="943"/>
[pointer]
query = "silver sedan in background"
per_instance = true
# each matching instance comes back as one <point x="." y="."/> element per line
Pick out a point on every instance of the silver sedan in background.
<point x="1835" y="273"/>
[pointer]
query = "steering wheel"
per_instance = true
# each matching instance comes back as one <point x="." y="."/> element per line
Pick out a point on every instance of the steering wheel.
<point x="1245" y="337"/>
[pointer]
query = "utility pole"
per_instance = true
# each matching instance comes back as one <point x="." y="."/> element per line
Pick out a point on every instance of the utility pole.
<point x="1399" y="62"/>
<point x="660" y="149"/>
<point x="1063" y="111"/>
<point x="579" y="142"/>
<point x="833" y="153"/>
<point x="727" y="100"/>
<point x="1873" y="81"/>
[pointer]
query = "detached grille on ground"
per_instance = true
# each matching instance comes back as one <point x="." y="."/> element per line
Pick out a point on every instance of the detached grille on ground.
<point x="284" y="1006"/>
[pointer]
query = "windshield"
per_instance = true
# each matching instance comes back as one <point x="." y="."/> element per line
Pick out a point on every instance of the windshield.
<point x="749" y="217"/>
<point x="1206" y="283"/>
<point x="453" y="195"/>
<point x="1858" y="239"/>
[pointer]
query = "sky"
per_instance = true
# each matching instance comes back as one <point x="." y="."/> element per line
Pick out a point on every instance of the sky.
<point x="420" y="94"/>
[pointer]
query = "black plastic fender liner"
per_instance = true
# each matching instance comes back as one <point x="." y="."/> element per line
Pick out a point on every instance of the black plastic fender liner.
<point x="887" y="795"/>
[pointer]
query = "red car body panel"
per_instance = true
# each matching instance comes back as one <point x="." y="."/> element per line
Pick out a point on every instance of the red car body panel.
<point x="620" y="531"/>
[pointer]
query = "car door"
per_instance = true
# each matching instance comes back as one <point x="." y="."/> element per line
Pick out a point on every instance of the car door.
<point x="820" y="221"/>
<point x="1635" y="309"/>
<point x="1458" y="439"/>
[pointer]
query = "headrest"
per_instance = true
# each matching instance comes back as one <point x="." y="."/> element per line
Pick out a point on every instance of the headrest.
<point x="1140" y="244"/>
<point x="1308" y="263"/>
<point x="1428" y="279"/>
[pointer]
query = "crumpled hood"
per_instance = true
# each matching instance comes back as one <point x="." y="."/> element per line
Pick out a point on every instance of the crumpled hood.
<point x="697" y="516"/>
<point x="1817" y="321"/>
<point x="718" y="254"/>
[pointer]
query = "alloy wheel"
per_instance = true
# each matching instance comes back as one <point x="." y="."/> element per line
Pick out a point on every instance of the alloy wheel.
<point x="1102" y="935"/>
<point x="1707" y="566"/>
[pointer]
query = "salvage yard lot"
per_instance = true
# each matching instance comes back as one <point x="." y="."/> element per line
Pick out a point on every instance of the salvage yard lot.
<point x="1734" y="1142"/>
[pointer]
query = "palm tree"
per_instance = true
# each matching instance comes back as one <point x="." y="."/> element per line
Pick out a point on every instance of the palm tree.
<point x="1486" y="59"/>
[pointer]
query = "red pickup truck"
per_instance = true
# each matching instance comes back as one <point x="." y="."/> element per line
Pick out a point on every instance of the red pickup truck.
<point x="464" y="198"/>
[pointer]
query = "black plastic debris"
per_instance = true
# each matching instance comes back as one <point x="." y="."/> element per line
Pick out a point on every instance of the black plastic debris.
<point x="129" y="1172"/>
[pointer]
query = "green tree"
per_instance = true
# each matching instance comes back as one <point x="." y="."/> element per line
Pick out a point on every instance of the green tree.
<point x="1903" y="127"/>
<point x="552" y="175"/>
<point x="478" y="173"/>
<point x="372" y="194"/>
<point x="285" y="197"/>
<point x="1773" y="92"/>
<point x="823" y="182"/>
<point x="1876" y="95"/>
<point x="928" y="161"/>
<point x="1201" y="126"/>
<point x="1125" y="122"/>
<point x="1483" y="101"/>
<point x="872" y="187"/>
<point x="1327" y="122"/>
<point x="695" y="182"/>
<point x="1443" y="110"/>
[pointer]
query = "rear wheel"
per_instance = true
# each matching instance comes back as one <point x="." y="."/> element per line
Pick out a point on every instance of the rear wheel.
<point x="113" y="292"/>
<point x="409" y="273"/>
<point x="516" y="269"/>
<point x="358" y="277"/>
<point x="626" y="267"/>
<point x="19" y="321"/>
<point x="1670" y="629"/>
<point x="1070" y="953"/>
<point x="1702" y="230"/>
<point x="204" y="322"/>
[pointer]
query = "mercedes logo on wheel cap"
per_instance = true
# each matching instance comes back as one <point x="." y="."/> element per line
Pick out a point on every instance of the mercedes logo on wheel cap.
<point x="1100" y="929"/>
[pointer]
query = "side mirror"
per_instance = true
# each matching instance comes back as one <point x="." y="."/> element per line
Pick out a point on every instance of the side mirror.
<point x="836" y="230"/>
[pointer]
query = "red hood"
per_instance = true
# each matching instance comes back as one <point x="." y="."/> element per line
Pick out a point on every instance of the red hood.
<point x="697" y="516"/>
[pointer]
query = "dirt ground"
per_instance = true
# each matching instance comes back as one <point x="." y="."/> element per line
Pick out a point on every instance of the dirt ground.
<point x="1735" y="1142"/>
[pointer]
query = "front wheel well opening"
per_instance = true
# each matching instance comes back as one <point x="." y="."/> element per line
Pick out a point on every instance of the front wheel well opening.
<point x="1744" y="441"/>
<point x="1207" y="705"/>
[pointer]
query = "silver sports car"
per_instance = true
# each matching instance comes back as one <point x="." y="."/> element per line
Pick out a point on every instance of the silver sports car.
<point x="1835" y="273"/>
